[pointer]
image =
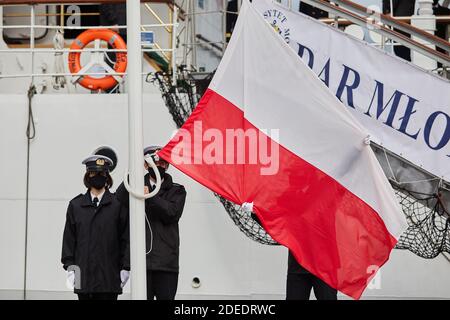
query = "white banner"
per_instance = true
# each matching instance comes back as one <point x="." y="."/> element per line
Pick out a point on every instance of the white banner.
<point x="405" y="109"/>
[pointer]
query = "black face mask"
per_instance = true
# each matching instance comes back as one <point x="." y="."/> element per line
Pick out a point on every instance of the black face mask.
<point x="98" y="181"/>
<point x="161" y="170"/>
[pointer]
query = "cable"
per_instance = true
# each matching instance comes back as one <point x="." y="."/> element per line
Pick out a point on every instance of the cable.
<point x="418" y="181"/>
<point x="151" y="234"/>
<point x="31" y="134"/>
<point x="389" y="164"/>
<point x="105" y="54"/>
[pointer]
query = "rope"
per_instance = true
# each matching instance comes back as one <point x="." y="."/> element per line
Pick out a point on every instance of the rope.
<point x="31" y="134"/>
<point x="428" y="224"/>
<point x="389" y="164"/>
<point x="31" y="129"/>
<point x="59" y="82"/>
<point x="418" y="181"/>
<point x="105" y="55"/>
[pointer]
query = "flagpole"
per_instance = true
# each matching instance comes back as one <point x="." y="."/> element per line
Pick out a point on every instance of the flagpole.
<point x="135" y="148"/>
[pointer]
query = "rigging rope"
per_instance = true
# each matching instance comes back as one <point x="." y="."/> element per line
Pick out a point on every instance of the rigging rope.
<point x="31" y="134"/>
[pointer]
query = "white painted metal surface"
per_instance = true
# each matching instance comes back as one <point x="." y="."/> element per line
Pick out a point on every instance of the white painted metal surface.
<point x="135" y="153"/>
<point x="425" y="20"/>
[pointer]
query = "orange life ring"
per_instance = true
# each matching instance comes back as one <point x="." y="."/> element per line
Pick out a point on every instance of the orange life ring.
<point x="114" y="40"/>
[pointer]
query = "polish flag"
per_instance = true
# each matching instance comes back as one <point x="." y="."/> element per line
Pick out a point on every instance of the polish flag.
<point x="269" y="134"/>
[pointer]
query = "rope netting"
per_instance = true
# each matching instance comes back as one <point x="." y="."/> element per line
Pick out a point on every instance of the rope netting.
<point x="180" y="99"/>
<point x="428" y="223"/>
<point x="427" y="212"/>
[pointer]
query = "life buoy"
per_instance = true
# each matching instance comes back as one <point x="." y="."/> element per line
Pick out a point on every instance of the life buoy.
<point x="114" y="40"/>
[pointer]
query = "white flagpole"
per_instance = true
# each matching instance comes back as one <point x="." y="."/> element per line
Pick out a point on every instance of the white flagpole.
<point x="136" y="156"/>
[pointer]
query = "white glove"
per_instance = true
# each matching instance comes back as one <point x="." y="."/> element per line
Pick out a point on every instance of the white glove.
<point x="70" y="282"/>
<point x="124" y="276"/>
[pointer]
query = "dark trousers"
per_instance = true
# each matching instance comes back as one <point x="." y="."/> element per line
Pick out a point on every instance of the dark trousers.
<point x="97" y="296"/>
<point x="400" y="8"/>
<point x="402" y="51"/>
<point x="161" y="285"/>
<point x="299" y="285"/>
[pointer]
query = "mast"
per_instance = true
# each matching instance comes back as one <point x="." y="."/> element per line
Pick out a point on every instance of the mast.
<point x="136" y="157"/>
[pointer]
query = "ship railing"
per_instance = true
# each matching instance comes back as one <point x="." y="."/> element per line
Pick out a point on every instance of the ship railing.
<point x="394" y="29"/>
<point x="169" y="54"/>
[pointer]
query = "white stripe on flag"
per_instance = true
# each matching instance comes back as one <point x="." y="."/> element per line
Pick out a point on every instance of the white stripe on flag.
<point x="266" y="67"/>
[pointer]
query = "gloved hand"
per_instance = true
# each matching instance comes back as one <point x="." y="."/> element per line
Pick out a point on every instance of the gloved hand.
<point x="124" y="276"/>
<point x="70" y="282"/>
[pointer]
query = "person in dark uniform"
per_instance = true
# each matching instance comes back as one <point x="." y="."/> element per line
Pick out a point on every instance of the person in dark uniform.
<point x="231" y="18"/>
<point x="163" y="211"/>
<point x="441" y="8"/>
<point x="400" y="8"/>
<point x="300" y="282"/>
<point x="96" y="247"/>
<point x="312" y="11"/>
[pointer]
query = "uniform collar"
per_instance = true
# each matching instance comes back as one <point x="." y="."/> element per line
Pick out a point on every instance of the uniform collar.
<point x="99" y="197"/>
<point x="166" y="183"/>
<point x="106" y="199"/>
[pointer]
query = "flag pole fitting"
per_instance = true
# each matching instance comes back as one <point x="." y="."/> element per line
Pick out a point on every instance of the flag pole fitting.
<point x="139" y="195"/>
<point x="367" y="140"/>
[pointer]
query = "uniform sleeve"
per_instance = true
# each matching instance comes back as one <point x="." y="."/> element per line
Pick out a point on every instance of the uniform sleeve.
<point x="167" y="210"/>
<point x="123" y="196"/>
<point x="124" y="230"/>
<point x="69" y="239"/>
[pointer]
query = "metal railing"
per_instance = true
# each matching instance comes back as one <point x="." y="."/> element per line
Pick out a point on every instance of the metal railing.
<point x="396" y="23"/>
<point x="345" y="22"/>
<point x="33" y="50"/>
<point x="32" y="2"/>
<point x="341" y="10"/>
<point x="362" y="16"/>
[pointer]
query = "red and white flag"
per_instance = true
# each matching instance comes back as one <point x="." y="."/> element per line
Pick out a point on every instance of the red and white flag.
<point x="270" y="133"/>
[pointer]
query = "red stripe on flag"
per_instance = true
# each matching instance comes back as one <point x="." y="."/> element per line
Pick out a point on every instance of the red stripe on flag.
<point x="331" y="232"/>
